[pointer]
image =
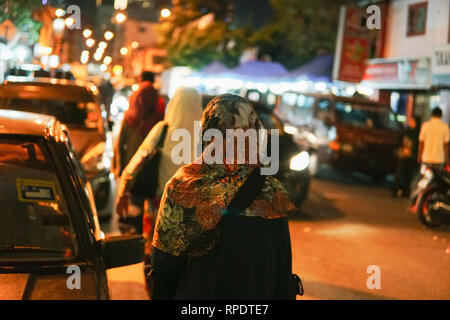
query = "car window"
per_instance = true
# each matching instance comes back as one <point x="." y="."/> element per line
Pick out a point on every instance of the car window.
<point x="254" y="96"/>
<point x="82" y="114"/>
<point x="269" y="121"/>
<point x="303" y="109"/>
<point x="361" y="116"/>
<point x="34" y="219"/>
<point x="85" y="185"/>
<point x="324" y="104"/>
<point x="305" y="101"/>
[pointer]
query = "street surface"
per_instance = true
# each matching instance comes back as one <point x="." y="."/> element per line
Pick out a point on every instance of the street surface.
<point x="347" y="225"/>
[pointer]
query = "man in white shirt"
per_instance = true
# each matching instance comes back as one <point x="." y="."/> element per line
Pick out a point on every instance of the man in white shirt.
<point x="434" y="141"/>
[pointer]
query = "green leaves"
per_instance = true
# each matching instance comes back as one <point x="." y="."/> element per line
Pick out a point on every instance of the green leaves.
<point x="20" y="13"/>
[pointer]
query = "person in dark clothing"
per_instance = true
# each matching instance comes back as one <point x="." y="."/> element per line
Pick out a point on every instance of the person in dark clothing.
<point x="407" y="154"/>
<point x="201" y="250"/>
<point x="143" y="114"/>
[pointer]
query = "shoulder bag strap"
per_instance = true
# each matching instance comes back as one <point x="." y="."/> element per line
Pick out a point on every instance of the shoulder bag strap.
<point x="162" y="137"/>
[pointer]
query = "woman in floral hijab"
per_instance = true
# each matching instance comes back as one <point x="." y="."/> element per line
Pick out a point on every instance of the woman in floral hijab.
<point x="199" y="251"/>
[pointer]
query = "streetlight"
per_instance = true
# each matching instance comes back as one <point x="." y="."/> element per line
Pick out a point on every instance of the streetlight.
<point x="90" y="42"/>
<point x="87" y="33"/>
<point x="135" y="44"/>
<point x="123" y="51"/>
<point x="98" y="55"/>
<point x="117" y="70"/>
<point x="59" y="12"/>
<point x="120" y="17"/>
<point x="84" y="56"/>
<point x="108" y="35"/>
<point x="107" y="60"/>
<point x="165" y="13"/>
<point x="69" y="22"/>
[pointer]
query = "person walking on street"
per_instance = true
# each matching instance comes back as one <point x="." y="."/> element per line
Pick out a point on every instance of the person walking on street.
<point x="407" y="158"/>
<point x="143" y="113"/>
<point x="434" y="141"/>
<point x="183" y="109"/>
<point x="222" y="229"/>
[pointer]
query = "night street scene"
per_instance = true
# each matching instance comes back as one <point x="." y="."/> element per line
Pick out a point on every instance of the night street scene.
<point x="225" y="150"/>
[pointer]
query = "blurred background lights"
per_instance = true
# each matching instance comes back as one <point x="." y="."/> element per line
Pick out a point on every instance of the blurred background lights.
<point x="87" y="33"/>
<point x="6" y="54"/>
<point x="120" y="17"/>
<point x="123" y="51"/>
<point x="108" y="35"/>
<point x="60" y="12"/>
<point x="98" y="56"/>
<point x="53" y="61"/>
<point x="117" y="70"/>
<point x="90" y="42"/>
<point x="135" y="44"/>
<point x="107" y="60"/>
<point x="84" y="57"/>
<point x="58" y="25"/>
<point x="165" y="13"/>
<point x="69" y="22"/>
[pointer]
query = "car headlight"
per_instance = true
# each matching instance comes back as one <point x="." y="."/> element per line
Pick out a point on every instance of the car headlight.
<point x="290" y="129"/>
<point x="300" y="161"/>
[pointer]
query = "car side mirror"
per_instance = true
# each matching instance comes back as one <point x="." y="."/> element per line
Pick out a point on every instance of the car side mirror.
<point x="122" y="250"/>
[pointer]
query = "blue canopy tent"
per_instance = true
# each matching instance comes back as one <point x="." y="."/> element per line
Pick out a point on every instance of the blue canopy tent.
<point x="212" y="69"/>
<point x="318" y="69"/>
<point x="258" y="70"/>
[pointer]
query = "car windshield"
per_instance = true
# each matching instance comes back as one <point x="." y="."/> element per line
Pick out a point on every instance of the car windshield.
<point x="34" y="220"/>
<point x="84" y="114"/>
<point x="365" y="117"/>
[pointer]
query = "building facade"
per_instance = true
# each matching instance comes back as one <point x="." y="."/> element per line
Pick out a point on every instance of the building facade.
<point x="413" y="73"/>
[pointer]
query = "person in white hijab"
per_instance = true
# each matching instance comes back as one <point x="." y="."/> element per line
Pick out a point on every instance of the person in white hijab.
<point x="182" y="111"/>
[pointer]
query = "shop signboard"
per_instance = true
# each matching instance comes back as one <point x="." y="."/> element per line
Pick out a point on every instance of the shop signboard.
<point x="441" y="65"/>
<point x="398" y="74"/>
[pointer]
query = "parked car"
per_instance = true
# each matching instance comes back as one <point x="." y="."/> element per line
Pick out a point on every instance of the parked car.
<point x="295" y="160"/>
<point x="77" y="105"/>
<point x="351" y="133"/>
<point x="50" y="229"/>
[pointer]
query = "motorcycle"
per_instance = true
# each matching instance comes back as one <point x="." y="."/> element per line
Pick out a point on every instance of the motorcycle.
<point x="431" y="198"/>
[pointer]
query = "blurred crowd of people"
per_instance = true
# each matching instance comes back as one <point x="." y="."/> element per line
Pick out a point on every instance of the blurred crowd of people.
<point x="426" y="144"/>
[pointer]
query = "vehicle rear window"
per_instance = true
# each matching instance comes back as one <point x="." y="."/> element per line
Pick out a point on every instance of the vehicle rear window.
<point x="362" y="116"/>
<point x="71" y="113"/>
<point x="34" y="220"/>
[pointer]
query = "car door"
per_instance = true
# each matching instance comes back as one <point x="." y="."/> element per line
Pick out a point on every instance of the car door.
<point x="88" y="228"/>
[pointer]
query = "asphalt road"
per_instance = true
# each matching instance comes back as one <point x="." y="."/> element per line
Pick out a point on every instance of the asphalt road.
<point x="348" y="224"/>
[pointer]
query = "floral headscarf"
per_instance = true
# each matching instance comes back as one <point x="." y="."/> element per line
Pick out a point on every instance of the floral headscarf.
<point x="197" y="196"/>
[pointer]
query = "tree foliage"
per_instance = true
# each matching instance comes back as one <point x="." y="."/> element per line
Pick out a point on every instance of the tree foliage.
<point x="20" y="13"/>
<point x="190" y="45"/>
<point x="298" y="31"/>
